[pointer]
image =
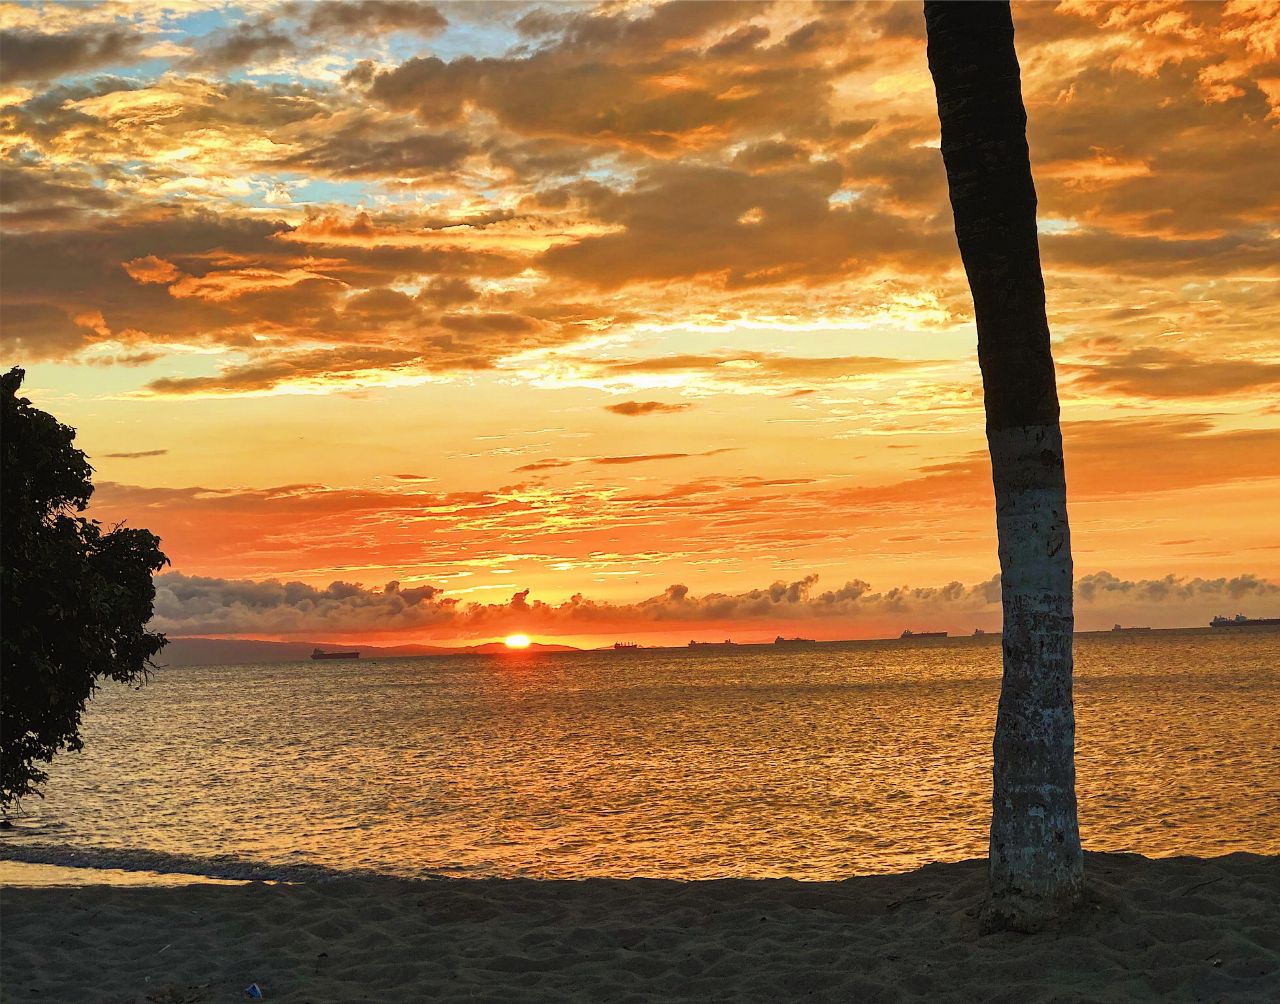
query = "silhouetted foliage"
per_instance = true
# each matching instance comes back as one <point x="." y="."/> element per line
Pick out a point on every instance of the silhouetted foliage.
<point x="74" y="599"/>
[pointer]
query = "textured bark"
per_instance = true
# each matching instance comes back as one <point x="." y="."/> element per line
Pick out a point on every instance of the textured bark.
<point x="1036" y="865"/>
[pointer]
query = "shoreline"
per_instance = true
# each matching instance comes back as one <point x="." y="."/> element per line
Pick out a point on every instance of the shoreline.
<point x="1171" y="928"/>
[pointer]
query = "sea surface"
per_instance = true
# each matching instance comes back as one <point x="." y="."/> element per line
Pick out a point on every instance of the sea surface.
<point x="819" y="764"/>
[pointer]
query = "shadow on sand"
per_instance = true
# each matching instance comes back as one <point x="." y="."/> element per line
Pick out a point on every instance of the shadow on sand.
<point x="1169" y="929"/>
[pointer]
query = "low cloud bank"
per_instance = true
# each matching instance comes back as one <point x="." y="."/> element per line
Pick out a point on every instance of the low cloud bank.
<point x="197" y="605"/>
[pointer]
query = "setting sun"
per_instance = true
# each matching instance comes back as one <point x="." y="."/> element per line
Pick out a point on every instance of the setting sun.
<point x="517" y="641"/>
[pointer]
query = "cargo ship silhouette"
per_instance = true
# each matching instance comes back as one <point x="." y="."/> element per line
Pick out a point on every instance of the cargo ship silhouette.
<point x="1240" y="620"/>
<point x="320" y="653"/>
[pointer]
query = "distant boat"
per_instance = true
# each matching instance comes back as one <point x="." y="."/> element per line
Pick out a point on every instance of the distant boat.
<point x="922" y="634"/>
<point x="1125" y="630"/>
<point x="1240" y="620"/>
<point x="795" y="642"/>
<point x="319" y="653"/>
<point x="710" y="644"/>
<point x="978" y="632"/>
<point x="622" y="646"/>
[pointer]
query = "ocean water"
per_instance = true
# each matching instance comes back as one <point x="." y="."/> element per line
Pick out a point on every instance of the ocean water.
<point x="823" y="763"/>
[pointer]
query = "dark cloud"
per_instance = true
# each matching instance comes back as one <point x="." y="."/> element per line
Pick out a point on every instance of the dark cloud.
<point x="347" y="366"/>
<point x="546" y="465"/>
<point x="362" y="151"/>
<point x="646" y="408"/>
<point x="482" y="322"/>
<point x="34" y="195"/>
<point x="448" y="292"/>
<point x="363" y="17"/>
<point x="641" y="458"/>
<point x="35" y="56"/>
<point x="740" y="229"/>
<point x="649" y="80"/>
<point x="243" y="44"/>
<point x="138" y="455"/>
<point x="1166" y="373"/>
<point x="1246" y="252"/>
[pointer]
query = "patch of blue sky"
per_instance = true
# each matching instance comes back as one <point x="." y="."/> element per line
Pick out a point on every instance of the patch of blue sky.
<point x="609" y="171"/>
<point x="201" y="22"/>
<point x="492" y="33"/>
<point x="325" y="191"/>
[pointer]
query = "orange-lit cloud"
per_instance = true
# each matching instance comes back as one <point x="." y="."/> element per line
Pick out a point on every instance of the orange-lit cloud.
<point x="354" y="238"/>
<point x="636" y="408"/>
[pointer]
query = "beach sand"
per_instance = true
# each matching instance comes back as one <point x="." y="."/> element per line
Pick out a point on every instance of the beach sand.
<point x="1172" y="929"/>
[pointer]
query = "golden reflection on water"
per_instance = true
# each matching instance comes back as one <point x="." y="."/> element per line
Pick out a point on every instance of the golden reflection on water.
<point x="869" y="757"/>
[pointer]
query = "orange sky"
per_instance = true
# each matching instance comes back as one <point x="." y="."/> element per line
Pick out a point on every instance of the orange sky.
<point x="640" y="309"/>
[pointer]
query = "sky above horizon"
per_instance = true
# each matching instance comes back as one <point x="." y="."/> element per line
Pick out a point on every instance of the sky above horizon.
<point x="411" y="322"/>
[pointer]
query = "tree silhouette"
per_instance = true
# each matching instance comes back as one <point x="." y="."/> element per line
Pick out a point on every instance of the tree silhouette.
<point x="74" y="600"/>
<point x="1036" y="865"/>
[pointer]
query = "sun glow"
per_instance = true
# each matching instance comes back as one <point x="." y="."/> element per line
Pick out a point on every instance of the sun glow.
<point x="517" y="641"/>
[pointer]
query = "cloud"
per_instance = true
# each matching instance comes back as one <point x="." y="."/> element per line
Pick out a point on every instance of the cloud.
<point x="138" y="455"/>
<point x="641" y="458"/>
<point x="1102" y="587"/>
<point x="615" y="77"/>
<point x="619" y="167"/>
<point x="201" y="605"/>
<point x="242" y="44"/>
<point x="1109" y="459"/>
<point x="546" y="465"/>
<point x="738" y="229"/>
<point x="30" y="55"/>
<point x="636" y="458"/>
<point x="1166" y="374"/>
<point x="205" y="605"/>
<point x="634" y="408"/>
<point x="351" y="367"/>
<point x="1125" y="474"/>
<point x="362" y="149"/>
<point x="363" y="17"/>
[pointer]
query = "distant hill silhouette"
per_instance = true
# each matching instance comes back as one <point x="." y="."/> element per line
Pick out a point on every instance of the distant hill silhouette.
<point x="233" y="651"/>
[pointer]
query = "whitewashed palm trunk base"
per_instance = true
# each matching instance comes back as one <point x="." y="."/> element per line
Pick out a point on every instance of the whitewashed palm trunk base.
<point x="1036" y="862"/>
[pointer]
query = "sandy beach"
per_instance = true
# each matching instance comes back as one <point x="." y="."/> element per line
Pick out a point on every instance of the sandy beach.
<point x="1173" y="929"/>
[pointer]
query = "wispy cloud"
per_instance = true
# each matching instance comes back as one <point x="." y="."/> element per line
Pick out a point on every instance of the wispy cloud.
<point x="137" y="455"/>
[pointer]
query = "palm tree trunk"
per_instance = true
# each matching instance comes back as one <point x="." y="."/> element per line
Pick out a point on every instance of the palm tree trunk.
<point x="1036" y="865"/>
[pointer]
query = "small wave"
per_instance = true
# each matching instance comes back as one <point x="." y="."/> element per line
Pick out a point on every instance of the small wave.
<point x="222" y="866"/>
